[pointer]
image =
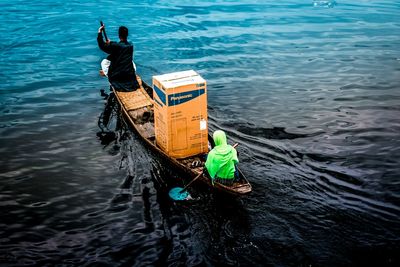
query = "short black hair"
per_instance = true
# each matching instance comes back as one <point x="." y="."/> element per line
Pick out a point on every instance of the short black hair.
<point x="123" y="32"/>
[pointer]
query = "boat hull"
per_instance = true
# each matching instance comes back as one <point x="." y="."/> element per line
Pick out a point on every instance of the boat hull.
<point x="134" y="105"/>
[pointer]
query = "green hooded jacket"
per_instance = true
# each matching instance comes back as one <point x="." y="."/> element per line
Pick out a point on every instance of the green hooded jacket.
<point x="222" y="158"/>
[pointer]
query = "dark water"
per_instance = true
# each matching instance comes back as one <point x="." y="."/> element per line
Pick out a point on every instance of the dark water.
<point x="311" y="93"/>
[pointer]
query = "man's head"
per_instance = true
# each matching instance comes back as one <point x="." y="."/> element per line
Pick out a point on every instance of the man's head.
<point x="123" y="33"/>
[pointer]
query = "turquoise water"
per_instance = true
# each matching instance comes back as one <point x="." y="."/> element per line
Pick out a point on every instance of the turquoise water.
<point x="310" y="90"/>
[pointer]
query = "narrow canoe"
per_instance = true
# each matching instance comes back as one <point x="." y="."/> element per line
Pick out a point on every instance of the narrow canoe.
<point x="137" y="107"/>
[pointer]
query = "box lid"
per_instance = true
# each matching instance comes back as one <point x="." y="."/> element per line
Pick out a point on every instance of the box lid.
<point x="176" y="79"/>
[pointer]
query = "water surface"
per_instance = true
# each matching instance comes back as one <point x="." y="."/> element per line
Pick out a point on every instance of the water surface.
<point x="310" y="90"/>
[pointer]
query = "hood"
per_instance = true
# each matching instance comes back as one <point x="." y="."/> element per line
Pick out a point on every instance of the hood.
<point x="219" y="138"/>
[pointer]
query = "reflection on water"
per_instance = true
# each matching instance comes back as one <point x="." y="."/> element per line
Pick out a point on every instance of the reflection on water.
<point x="111" y="111"/>
<point x="311" y="94"/>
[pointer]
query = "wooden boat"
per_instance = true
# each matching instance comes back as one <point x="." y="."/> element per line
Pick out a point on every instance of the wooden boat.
<point x="137" y="107"/>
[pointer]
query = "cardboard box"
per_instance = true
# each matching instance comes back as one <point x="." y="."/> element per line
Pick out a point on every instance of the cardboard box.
<point x="180" y="113"/>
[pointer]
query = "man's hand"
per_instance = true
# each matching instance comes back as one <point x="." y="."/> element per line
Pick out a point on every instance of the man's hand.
<point x="101" y="28"/>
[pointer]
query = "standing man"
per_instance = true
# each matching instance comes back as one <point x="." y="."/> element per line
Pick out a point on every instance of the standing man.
<point x="118" y="66"/>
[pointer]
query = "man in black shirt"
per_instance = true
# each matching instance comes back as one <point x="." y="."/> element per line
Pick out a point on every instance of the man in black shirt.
<point x="121" y="72"/>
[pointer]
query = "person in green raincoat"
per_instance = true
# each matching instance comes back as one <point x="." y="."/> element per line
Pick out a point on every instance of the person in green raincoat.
<point x="221" y="160"/>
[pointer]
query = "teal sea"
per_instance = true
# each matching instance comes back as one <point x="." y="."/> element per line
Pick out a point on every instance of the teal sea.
<point x="310" y="90"/>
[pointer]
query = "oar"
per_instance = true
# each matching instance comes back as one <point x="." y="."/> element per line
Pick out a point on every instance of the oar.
<point x="197" y="177"/>
<point x="179" y="193"/>
<point x="104" y="30"/>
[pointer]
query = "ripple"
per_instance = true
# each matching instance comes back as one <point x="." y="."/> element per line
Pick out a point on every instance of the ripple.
<point x="309" y="92"/>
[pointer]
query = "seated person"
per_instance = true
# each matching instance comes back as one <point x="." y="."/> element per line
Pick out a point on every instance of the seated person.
<point x="221" y="160"/>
